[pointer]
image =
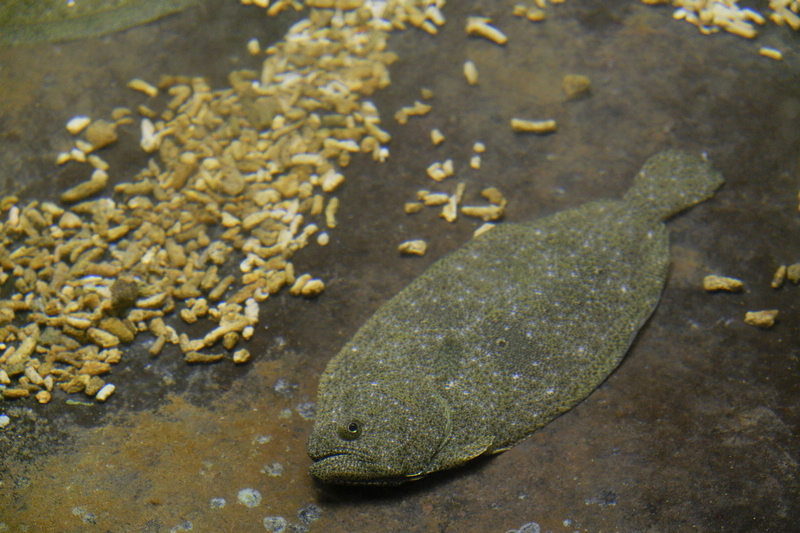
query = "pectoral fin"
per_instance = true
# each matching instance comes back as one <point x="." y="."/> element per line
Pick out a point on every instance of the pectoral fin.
<point x="455" y="454"/>
<point x="477" y="448"/>
<point x="500" y="450"/>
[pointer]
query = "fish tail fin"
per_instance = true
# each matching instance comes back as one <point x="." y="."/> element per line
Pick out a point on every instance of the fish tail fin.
<point x="671" y="181"/>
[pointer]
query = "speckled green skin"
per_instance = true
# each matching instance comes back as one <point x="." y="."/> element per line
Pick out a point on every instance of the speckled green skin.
<point x="26" y="21"/>
<point x="500" y="337"/>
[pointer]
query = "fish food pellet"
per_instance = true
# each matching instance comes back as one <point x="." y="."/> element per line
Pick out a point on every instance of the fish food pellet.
<point x="779" y="277"/>
<point x="722" y="283"/>
<point x="793" y="273"/>
<point x="77" y="124"/>
<point x="576" y="86"/>
<point x="763" y="319"/>
<point x="471" y="72"/>
<point x="480" y="26"/>
<point x="541" y="127"/>
<point x="414" y="247"/>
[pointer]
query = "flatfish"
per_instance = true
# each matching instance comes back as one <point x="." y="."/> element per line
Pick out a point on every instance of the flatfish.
<point x="503" y="335"/>
<point x="26" y="21"/>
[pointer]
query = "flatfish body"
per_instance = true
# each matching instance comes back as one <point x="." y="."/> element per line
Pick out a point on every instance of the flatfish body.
<point x="497" y="339"/>
<point x="26" y="21"/>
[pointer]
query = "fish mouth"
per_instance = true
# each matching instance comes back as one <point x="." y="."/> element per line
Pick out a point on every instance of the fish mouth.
<point x="340" y="460"/>
<point x="355" y="454"/>
<point x="339" y="466"/>
<point x="350" y="468"/>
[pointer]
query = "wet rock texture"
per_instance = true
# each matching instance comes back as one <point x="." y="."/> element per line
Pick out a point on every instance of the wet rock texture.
<point x="697" y="429"/>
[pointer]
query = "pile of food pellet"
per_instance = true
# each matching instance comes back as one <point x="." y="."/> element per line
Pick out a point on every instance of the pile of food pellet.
<point x="243" y="179"/>
<point x="711" y="16"/>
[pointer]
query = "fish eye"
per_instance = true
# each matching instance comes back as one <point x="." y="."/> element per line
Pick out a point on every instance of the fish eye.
<point x="351" y="431"/>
